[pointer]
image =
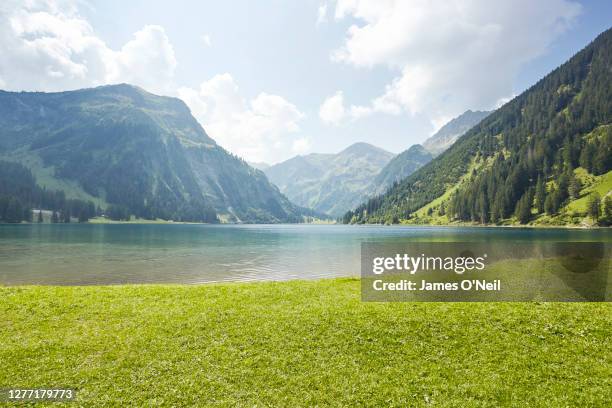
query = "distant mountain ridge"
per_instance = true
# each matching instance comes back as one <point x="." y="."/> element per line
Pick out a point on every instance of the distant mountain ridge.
<point x="121" y="145"/>
<point x="330" y="183"/>
<point x="453" y="130"/>
<point x="400" y="167"/>
<point x="335" y="183"/>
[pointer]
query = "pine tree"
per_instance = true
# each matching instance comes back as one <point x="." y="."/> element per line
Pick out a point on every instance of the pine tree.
<point x="594" y="206"/>
<point x="40" y="216"/>
<point x="496" y="207"/>
<point x="567" y="153"/>
<point x="521" y="212"/>
<point x="27" y="214"/>
<point x="574" y="187"/>
<point x="66" y="215"/>
<point x="54" y="218"/>
<point x="563" y="190"/>
<point x="607" y="212"/>
<point x="523" y="208"/>
<point x="549" y="204"/>
<point x="540" y="195"/>
<point x="442" y="209"/>
<point x="14" y="211"/>
<point x="483" y="208"/>
<point x="546" y="167"/>
<point x="600" y="162"/>
<point x="586" y="157"/>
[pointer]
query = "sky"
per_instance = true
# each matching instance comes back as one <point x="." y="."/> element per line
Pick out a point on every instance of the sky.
<point x="272" y="79"/>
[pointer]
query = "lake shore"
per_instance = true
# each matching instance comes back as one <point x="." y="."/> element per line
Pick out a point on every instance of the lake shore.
<point x="100" y="220"/>
<point x="166" y="222"/>
<point x="300" y="343"/>
<point x="470" y="225"/>
<point x="104" y="220"/>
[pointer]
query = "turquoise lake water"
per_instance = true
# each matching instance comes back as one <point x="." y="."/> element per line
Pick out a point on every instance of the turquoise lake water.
<point x="83" y="254"/>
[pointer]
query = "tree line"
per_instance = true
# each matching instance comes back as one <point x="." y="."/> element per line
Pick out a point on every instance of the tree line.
<point x="19" y="194"/>
<point x="535" y="179"/>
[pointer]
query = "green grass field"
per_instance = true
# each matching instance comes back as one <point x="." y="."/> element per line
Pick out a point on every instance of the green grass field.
<point x="301" y="343"/>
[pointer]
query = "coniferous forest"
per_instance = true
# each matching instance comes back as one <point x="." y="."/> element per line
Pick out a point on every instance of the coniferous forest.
<point x="19" y="194"/>
<point x="528" y="159"/>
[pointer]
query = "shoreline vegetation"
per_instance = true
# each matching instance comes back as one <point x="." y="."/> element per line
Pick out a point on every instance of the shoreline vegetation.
<point x="300" y="343"/>
<point x="104" y="221"/>
<point x="134" y="220"/>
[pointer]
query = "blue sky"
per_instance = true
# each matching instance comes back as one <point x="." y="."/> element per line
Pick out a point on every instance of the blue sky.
<point x="271" y="79"/>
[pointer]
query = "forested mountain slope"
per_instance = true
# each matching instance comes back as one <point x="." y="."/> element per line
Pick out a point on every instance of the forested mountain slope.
<point x="527" y="162"/>
<point x="400" y="167"/>
<point x="145" y="155"/>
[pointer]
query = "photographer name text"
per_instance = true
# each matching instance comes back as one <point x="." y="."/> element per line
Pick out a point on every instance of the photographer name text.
<point x="427" y="286"/>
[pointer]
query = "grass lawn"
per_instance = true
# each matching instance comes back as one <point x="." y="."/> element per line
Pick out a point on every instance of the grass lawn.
<point x="301" y="343"/>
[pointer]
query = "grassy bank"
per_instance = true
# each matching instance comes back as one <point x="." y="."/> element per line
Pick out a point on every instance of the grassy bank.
<point x="300" y="344"/>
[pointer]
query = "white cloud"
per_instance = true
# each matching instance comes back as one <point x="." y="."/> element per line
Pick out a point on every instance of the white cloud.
<point x="46" y="45"/>
<point x="206" y="40"/>
<point x="322" y="14"/>
<point x="193" y="99"/>
<point x="256" y="129"/>
<point x="332" y="110"/>
<point x="301" y="145"/>
<point x="148" y="61"/>
<point x="357" y="112"/>
<point x="450" y="56"/>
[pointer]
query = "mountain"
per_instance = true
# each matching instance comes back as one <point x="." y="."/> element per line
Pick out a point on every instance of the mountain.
<point x="453" y="130"/>
<point x="122" y="147"/>
<point x="330" y="183"/>
<point x="409" y="161"/>
<point x="400" y="167"/>
<point x="543" y="158"/>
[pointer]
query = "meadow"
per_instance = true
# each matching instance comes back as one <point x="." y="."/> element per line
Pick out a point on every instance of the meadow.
<point x="300" y="343"/>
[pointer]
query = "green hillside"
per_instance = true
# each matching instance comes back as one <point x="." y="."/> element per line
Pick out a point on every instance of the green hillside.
<point x="133" y="153"/>
<point x="521" y="163"/>
<point x="400" y="167"/>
